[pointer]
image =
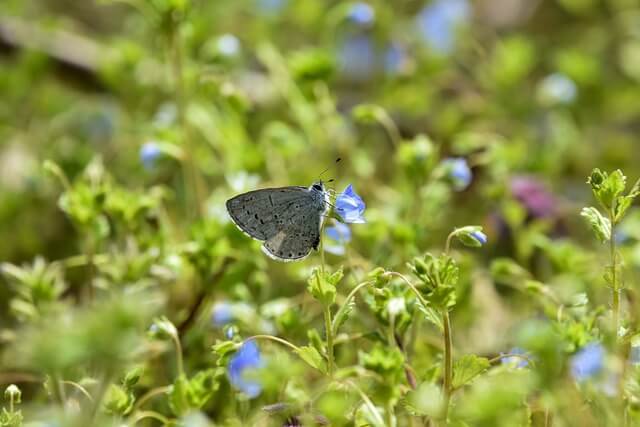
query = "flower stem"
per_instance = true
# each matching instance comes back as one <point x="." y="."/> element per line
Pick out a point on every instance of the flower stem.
<point x="329" y="335"/>
<point x="448" y="363"/>
<point x="614" y="280"/>
<point x="192" y="183"/>
<point x="179" y="362"/>
<point x="276" y="339"/>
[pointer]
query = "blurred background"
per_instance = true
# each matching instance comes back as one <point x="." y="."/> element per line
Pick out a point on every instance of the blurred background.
<point x="125" y="125"/>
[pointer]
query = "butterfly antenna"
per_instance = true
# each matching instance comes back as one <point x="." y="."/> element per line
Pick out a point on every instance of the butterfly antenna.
<point x="329" y="167"/>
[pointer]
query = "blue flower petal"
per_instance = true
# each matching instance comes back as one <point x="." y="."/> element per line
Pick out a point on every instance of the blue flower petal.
<point x="246" y="358"/>
<point x="339" y="232"/>
<point x="438" y="21"/>
<point x="350" y="207"/>
<point x="458" y="172"/>
<point x="513" y="360"/>
<point x="149" y="154"/>
<point x="222" y="314"/>
<point x="479" y="236"/>
<point x="361" y="13"/>
<point x="588" y="362"/>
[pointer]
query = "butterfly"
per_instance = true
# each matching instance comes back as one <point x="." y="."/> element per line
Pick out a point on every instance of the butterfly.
<point x="286" y="219"/>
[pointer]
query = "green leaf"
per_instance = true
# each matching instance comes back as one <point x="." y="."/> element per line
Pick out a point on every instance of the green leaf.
<point x="202" y="386"/>
<point x="600" y="225"/>
<point x="431" y="315"/>
<point x="607" y="187"/>
<point x="367" y="113"/>
<point x="438" y="275"/>
<point x="118" y="401"/>
<point x="467" y="368"/>
<point x="178" y="396"/>
<point x="425" y="401"/>
<point x="322" y="286"/>
<point x="312" y="357"/>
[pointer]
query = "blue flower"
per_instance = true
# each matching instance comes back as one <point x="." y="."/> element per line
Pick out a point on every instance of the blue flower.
<point x="519" y="362"/>
<point x="588" y="362"/>
<point x="396" y="59"/>
<point x="361" y="14"/>
<point x="222" y="314"/>
<point x="339" y="235"/>
<point x="350" y="207"/>
<point x="479" y="236"/>
<point x="246" y="358"/>
<point x="634" y="355"/>
<point x="149" y="154"/>
<point x="271" y="7"/>
<point x="228" y="45"/>
<point x="357" y="57"/>
<point x="458" y="172"/>
<point x="558" y="88"/>
<point x="438" y="21"/>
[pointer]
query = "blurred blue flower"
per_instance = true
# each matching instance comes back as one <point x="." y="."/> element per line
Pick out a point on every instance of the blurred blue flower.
<point x="458" y="171"/>
<point x="621" y="237"/>
<point x="634" y="355"/>
<point x="395" y="59"/>
<point x="519" y="362"/>
<point x="479" y="236"/>
<point x="271" y="7"/>
<point x="361" y="13"/>
<point x="558" y="88"/>
<point x="350" y="207"/>
<point x="149" y="154"/>
<point x="437" y="22"/>
<point x="246" y="358"/>
<point x="221" y="314"/>
<point x="588" y="362"/>
<point x="339" y="235"/>
<point x="356" y="56"/>
<point x="228" y="45"/>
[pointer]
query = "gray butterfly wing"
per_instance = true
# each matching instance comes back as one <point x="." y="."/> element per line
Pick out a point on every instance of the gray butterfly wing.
<point x="263" y="213"/>
<point x="295" y="241"/>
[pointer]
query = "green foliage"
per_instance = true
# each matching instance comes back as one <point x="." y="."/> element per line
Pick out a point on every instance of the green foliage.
<point x="126" y="290"/>
<point x="188" y="394"/>
<point x="467" y="368"/>
<point x="439" y="277"/>
<point x="322" y="285"/>
<point x="600" y="225"/>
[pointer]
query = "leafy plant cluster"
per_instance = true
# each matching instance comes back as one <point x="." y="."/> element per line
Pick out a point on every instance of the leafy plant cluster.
<point x="130" y="298"/>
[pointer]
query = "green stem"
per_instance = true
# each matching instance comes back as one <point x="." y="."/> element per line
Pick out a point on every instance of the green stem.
<point x="329" y="334"/>
<point x="390" y="127"/>
<point x="150" y="414"/>
<point x="447" y="246"/>
<point x="150" y="394"/>
<point x="448" y="364"/>
<point x="351" y="295"/>
<point x="179" y="361"/>
<point x="190" y="174"/>
<point x="276" y="339"/>
<point x="368" y="403"/>
<point x="614" y="279"/>
<point x="391" y="419"/>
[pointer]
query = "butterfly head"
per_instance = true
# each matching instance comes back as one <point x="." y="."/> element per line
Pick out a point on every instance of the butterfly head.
<point x="318" y="186"/>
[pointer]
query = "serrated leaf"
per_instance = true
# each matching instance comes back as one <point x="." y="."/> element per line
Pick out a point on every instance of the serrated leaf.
<point x="600" y="225"/>
<point x="312" y="357"/>
<point x="431" y="314"/>
<point x="343" y="314"/>
<point x="467" y="368"/>
<point x="425" y="401"/>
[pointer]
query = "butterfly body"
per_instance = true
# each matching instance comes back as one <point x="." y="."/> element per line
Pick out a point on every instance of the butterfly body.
<point x="286" y="219"/>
